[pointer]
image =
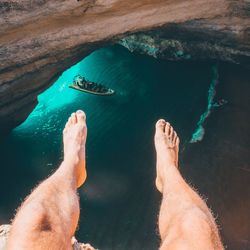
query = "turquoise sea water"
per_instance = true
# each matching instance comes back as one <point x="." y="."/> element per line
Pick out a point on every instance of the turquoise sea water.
<point x="119" y="201"/>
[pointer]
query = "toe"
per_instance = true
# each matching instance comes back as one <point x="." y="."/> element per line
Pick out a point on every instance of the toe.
<point x="160" y="126"/>
<point x="69" y="121"/>
<point x="174" y="137"/>
<point x="67" y="124"/>
<point x="81" y="117"/>
<point x="171" y="133"/>
<point x="177" y="141"/>
<point x="167" y="129"/>
<point x="160" y="122"/>
<point x="73" y="118"/>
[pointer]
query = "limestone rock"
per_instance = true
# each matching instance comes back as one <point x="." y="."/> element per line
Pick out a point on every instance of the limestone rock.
<point x="40" y="39"/>
<point x="5" y="230"/>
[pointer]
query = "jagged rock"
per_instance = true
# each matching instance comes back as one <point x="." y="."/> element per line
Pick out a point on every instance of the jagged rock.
<point x="40" y="39"/>
<point x="170" y="43"/>
<point x="5" y="230"/>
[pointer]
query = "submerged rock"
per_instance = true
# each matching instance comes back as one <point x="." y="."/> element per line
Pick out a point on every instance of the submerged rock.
<point x="40" y="39"/>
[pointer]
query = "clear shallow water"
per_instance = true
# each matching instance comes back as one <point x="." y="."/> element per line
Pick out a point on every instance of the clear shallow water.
<point x="119" y="201"/>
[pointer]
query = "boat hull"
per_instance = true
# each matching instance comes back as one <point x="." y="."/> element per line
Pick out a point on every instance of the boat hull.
<point x="109" y="92"/>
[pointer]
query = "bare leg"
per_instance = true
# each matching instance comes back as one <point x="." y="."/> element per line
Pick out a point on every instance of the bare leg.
<point x="185" y="222"/>
<point x="48" y="218"/>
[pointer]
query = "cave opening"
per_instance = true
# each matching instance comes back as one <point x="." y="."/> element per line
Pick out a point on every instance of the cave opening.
<point x="120" y="151"/>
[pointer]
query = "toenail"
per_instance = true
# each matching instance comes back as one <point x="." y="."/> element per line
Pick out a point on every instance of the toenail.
<point x="79" y="111"/>
<point x="161" y="121"/>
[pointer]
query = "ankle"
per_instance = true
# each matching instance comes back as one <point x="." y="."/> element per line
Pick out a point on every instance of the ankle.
<point x="71" y="161"/>
<point x="65" y="176"/>
<point x="68" y="167"/>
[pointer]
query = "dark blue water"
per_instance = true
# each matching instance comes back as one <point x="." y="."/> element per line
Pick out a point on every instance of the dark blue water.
<point x="119" y="202"/>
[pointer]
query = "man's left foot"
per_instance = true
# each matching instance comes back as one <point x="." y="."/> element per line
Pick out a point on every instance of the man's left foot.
<point x="74" y="140"/>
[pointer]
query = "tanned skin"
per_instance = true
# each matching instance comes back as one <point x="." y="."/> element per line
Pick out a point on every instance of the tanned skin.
<point x="185" y="222"/>
<point x="49" y="216"/>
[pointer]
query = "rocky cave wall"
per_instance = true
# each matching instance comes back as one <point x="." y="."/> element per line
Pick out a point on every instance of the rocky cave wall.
<point x="40" y="39"/>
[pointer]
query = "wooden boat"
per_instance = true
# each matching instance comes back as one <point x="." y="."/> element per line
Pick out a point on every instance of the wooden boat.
<point x="90" y="87"/>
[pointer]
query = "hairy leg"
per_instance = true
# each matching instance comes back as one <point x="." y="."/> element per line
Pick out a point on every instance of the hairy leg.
<point x="48" y="217"/>
<point x="185" y="222"/>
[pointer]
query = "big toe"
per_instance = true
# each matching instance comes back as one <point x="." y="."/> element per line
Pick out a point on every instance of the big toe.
<point x="81" y="116"/>
<point x="160" y="127"/>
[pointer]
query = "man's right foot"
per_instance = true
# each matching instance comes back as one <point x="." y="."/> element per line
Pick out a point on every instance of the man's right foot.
<point x="167" y="148"/>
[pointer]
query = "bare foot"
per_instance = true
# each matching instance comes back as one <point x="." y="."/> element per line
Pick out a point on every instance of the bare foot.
<point x="167" y="148"/>
<point x="74" y="139"/>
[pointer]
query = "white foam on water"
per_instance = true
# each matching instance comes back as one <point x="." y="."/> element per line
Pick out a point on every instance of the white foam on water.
<point x="199" y="132"/>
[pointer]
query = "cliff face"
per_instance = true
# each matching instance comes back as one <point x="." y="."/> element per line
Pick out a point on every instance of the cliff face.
<point x="40" y="39"/>
<point x="194" y="40"/>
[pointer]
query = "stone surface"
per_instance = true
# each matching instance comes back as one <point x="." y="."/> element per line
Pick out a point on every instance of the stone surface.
<point x="40" y="39"/>
<point x="5" y="230"/>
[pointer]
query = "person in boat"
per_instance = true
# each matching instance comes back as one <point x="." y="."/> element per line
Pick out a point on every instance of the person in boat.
<point x="80" y="81"/>
<point x="49" y="216"/>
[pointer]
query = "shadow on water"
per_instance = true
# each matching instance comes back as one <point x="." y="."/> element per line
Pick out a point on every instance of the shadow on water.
<point x="119" y="202"/>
